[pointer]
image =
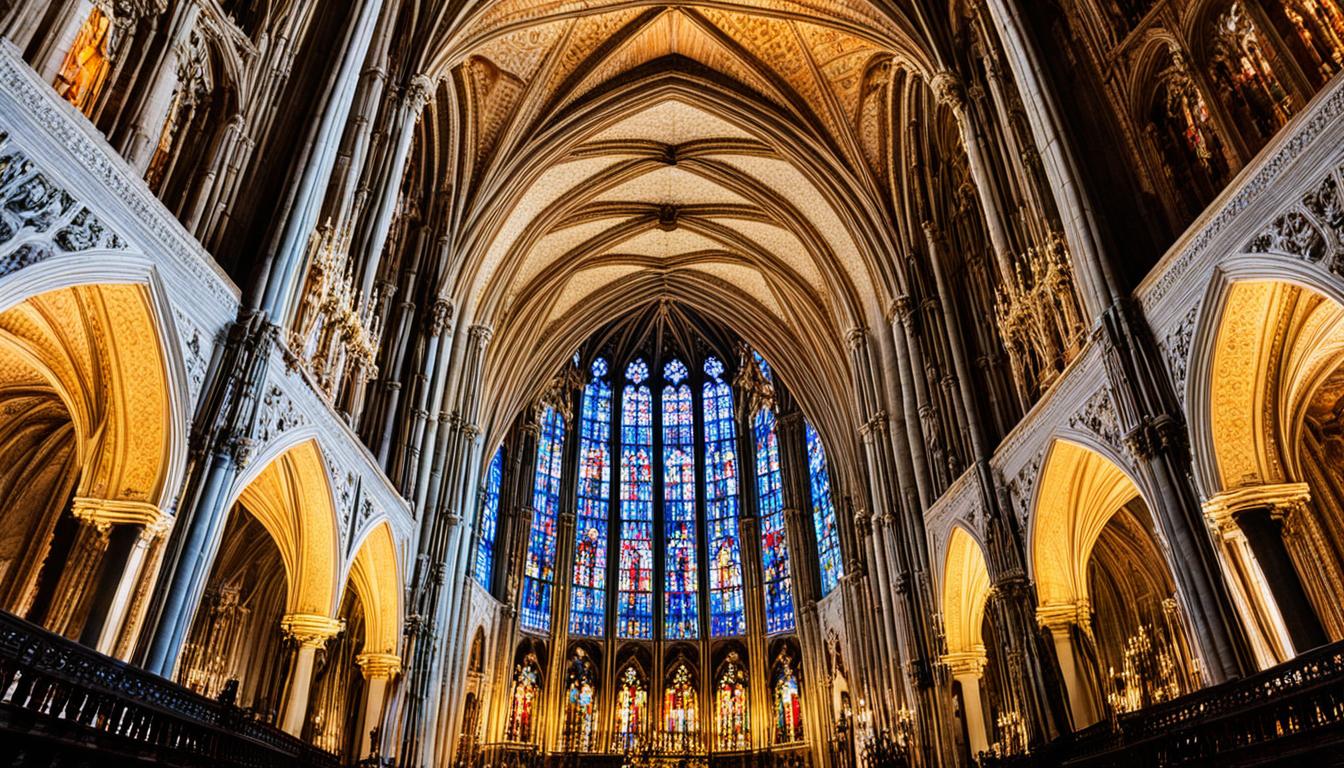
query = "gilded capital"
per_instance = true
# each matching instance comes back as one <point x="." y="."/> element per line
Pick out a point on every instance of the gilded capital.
<point x="383" y="666"/>
<point x="109" y="512"/>
<point x="1281" y="498"/>
<point x="966" y="662"/>
<point x="311" y="629"/>
<point x="1058" y="617"/>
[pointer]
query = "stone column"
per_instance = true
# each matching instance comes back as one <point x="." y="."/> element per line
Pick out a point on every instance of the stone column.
<point x="1269" y="636"/>
<point x="967" y="668"/>
<point x="1063" y="621"/>
<point x="163" y="81"/>
<point x="1255" y="516"/>
<point x="947" y="87"/>
<point x="311" y="632"/>
<point x="288" y="246"/>
<point x="1098" y="285"/>
<point x="154" y="524"/>
<point x="79" y="577"/>
<point x="384" y="202"/>
<point x="379" y="669"/>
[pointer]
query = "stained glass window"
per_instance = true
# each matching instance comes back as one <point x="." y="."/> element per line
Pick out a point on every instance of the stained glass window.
<point x="523" y="702"/>
<point x="635" y="598"/>
<point x="581" y="705"/>
<point x="681" y="710"/>
<point x="726" y="616"/>
<point x="774" y="547"/>
<point x="632" y="708"/>
<point x="485" y="548"/>
<point x="788" y="703"/>
<point x="730" y="707"/>
<point x="681" y="618"/>
<point x="587" y="607"/>
<point x="539" y="570"/>
<point x="823" y="513"/>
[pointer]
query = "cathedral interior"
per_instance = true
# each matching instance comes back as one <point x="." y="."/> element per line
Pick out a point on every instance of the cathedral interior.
<point x="788" y="383"/>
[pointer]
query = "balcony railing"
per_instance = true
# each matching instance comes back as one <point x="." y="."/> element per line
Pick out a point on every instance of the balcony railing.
<point x="60" y="700"/>
<point x="1295" y="710"/>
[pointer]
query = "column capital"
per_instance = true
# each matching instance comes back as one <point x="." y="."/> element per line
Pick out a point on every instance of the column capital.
<point x="109" y="512"/>
<point x="964" y="663"/>
<point x="1281" y="498"/>
<point x="311" y="629"/>
<point x="1058" y="617"/>
<point x="418" y="93"/>
<point x="948" y="89"/>
<point x="379" y="665"/>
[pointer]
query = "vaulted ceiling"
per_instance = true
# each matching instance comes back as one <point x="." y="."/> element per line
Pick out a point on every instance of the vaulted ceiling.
<point x="734" y="156"/>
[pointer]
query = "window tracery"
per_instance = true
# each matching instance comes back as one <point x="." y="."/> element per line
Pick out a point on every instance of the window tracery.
<point x="539" y="569"/>
<point x="523" y="700"/>
<point x="680" y="589"/>
<point x="581" y="704"/>
<point x="721" y="505"/>
<point x="777" y="579"/>
<point x="788" y="702"/>
<point x="485" y="552"/>
<point x="681" y="709"/>
<point x="587" y="609"/>
<point x="635" y="604"/>
<point x="823" y="513"/>
<point x="730" y="707"/>
<point x="1245" y="75"/>
<point x="632" y="708"/>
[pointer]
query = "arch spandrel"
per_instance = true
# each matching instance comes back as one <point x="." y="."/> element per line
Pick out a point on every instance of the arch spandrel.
<point x="101" y="349"/>
<point x="1078" y="492"/>
<point x="291" y="497"/>
<point x="966" y="588"/>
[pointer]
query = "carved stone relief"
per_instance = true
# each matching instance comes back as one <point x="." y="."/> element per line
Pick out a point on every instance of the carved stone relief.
<point x="39" y="218"/>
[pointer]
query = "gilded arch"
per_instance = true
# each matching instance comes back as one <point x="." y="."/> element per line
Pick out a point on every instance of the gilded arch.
<point x="375" y="575"/>
<point x="966" y="587"/>
<point x="1079" y="491"/>
<point x="291" y="497"/>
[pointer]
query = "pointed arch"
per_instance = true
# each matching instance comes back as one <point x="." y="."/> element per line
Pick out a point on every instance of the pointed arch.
<point x="966" y="587"/>
<point x="102" y="349"/>
<point x="1079" y="491"/>
<point x="375" y="575"/>
<point x="291" y="497"/>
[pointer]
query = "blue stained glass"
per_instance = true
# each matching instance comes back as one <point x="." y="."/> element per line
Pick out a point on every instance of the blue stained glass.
<point x="823" y="513"/>
<point x="774" y="544"/>
<point x="681" y="615"/>
<point x="634" y="605"/>
<point x="587" y="607"/>
<point x="539" y="570"/>
<point x="726" y="616"/>
<point x="764" y="366"/>
<point x="485" y="552"/>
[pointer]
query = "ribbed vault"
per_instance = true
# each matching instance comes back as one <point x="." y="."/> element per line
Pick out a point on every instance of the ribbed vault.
<point x="733" y="157"/>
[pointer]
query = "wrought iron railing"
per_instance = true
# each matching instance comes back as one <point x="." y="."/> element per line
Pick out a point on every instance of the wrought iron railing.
<point x="58" y="697"/>
<point x="1294" y="709"/>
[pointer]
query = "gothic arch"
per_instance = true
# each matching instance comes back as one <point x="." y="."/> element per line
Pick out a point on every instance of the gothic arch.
<point x="1079" y="490"/>
<point x="375" y="574"/>
<point x="106" y="350"/>
<point x="290" y="495"/>
<point x="966" y="587"/>
<point x="1263" y="395"/>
